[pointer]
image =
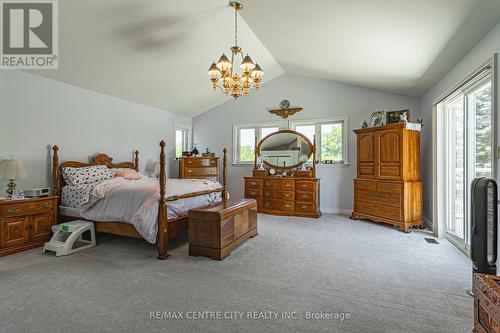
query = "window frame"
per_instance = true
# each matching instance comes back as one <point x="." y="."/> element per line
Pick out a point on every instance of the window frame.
<point x="323" y="121"/>
<point x="258" y="130"/>
<point x="187" y="138"/>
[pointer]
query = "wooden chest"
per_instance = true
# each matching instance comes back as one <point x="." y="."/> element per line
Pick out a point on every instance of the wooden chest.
<point x="486" y="303"/>
<point x="26" y="224"/>
<point x="216" y="230"/>
<point x="293" y="196"/>
<point x="199" y="167"/>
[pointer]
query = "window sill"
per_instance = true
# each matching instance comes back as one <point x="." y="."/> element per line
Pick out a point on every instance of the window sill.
<point x="242" y="164"/>
<point x="332" y="165"/>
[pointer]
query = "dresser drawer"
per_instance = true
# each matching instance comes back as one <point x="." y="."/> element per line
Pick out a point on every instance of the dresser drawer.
<point x="305" y="207"/>
<point x="268" y="194"/>
<point x="253" y="184"/>
<point x="284" y="185"/>
<point x="365" y="185"/>
<point x="305" y="196"/>
<point x="278" y="205"/>
<point x="269" y="183"/>
<point x="389" y="187"/>
<point x="201" y="171"/>
<point x="305" y="185"/>
<point x="379" y="197"/>
<point x="26" y="208"/>
<point x="252" y="193"/>
<point x="200" y="162"/>
<point x="288" y="195"/>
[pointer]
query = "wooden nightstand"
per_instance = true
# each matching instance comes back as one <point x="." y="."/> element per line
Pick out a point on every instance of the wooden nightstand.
<point x="26" y="224"/>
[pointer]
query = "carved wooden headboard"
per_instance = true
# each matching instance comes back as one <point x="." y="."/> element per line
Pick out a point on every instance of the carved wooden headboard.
<point x="99" y="159"/>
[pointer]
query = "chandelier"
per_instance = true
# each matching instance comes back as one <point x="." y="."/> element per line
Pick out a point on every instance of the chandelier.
<point x="235" y="84"/>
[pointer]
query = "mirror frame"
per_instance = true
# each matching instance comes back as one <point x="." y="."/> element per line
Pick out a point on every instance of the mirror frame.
<point x="312" y="150"/>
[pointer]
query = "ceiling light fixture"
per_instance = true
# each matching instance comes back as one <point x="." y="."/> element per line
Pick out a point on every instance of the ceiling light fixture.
<point x="232" y="83"/>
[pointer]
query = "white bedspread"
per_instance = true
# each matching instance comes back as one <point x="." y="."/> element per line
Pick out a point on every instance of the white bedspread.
<point x="136" y="201"/>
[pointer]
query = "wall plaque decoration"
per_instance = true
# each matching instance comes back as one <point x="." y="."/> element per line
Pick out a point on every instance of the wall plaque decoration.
<point x="285" y="109"/>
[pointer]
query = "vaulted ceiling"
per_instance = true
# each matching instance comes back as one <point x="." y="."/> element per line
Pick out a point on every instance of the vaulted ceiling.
<point x="157" y="52"/>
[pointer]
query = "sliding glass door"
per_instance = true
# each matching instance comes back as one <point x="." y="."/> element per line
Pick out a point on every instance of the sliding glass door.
<point x="469" y="154"/>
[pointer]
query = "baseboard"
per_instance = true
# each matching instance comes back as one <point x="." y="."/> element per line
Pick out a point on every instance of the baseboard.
<point x="336" y="211"/>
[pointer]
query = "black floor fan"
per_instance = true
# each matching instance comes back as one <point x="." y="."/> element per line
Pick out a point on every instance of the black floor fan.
<point x="484" y="227"/>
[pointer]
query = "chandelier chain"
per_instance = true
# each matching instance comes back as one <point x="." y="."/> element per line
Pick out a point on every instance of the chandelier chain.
<point x="235" y="27"/>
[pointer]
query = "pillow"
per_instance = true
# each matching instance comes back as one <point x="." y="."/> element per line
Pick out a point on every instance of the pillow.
<point x="87" y="175"/>
<point x="76" y="196"/>
<point x="128" y="174"/>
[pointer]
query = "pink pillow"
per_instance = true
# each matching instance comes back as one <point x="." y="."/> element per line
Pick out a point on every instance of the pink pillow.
<point x="128" y="174"/>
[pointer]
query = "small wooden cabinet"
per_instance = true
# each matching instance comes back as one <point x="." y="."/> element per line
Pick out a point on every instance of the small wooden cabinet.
<point x="486" y="303"/>
<point x="199" y="167"/>
<point x="388" y="186"/>
<point x="26" y="224"/>
<point x="294" y="196"/>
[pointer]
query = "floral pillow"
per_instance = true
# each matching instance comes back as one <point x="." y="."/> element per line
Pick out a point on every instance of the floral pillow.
<point x="87" y="175"/>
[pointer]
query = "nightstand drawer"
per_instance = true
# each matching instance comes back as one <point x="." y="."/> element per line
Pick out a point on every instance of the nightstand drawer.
<point x="201" y="171"/>
<point x="26" y="208"/>
<point x="201" y="162"/>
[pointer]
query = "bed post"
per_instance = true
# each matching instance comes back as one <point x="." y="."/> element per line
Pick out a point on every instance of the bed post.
<point x="162" y="235"/>
<point x="314" y="157"/>
<point x="136" y="160"/>
<point x="224" y="174"/>
<point x="55" y="170"/>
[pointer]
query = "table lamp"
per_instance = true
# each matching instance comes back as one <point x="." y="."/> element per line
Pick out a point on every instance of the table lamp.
<point x="12" y="169"/>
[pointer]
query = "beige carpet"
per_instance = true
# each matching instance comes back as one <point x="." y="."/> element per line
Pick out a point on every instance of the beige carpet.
<point x="383" y="279"/>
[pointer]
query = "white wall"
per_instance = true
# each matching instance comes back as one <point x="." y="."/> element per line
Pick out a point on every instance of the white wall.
<point x="320" y="99"/>
<point x="36" y="112"/>
<point x="481" y="52"/>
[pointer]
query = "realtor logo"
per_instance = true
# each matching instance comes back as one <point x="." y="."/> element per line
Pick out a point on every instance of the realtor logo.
<point x="29" y="35"/>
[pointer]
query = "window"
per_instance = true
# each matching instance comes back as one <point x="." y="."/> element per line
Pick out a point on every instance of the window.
<point x="331" y="138"/>
<point x="244" y="139"/>
<point x="182" y="139"/>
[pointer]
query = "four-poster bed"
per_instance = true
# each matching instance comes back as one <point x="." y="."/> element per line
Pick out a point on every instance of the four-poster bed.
<point x="167" y="228"/>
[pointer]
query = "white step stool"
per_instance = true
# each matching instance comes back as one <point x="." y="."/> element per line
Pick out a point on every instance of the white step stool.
<point x="67" y="238"/>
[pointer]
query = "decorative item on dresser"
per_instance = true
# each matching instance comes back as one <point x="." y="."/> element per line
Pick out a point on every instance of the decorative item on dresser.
<point x="297" y="193"/>
<point x="486" y="303"/>
<point x="388" y="187"/>
<point x="26" y="224"/>
<point x="11" y="170"/>
<point x="199" y="167"/>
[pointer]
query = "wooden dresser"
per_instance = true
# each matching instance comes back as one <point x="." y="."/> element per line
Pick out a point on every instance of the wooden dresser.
<point x="388" y="187"/>
<point x="199" y="167"/>
<point x="26" y="224"/>
<point x="293" y="196"/>
<point x="486" y="303"/>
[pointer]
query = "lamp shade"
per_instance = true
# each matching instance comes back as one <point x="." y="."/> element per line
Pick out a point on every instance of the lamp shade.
<point x="247" y="64"/>
<point x="213" y="70"/>
<point x="12" y="169"/>
<point x="257" y="71"/>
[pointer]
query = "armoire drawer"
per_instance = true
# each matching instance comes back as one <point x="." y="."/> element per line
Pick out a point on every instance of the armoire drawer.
<point x="380" y="210"/>
<point x="365" y="185"/>
<point x="379" y="197"/>
<point x="389" y="187"/>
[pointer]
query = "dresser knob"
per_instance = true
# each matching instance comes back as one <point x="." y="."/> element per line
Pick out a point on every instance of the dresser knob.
<point x="190" y="162"/>
<point x="12" y="210"/>
<point x="46" y="206"/>
<point x="305" y="196"/>
<point x="304" y="185"/>
<point x="189" y="170"/>
<point x="304" y="206"/>
<point x="253" y="183"/>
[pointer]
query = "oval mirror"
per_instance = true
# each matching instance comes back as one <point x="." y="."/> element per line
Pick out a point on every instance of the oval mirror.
<point x="285" y="149"/>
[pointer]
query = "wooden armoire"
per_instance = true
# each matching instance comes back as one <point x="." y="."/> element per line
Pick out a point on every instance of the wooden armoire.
<point x="388" y="187"/>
